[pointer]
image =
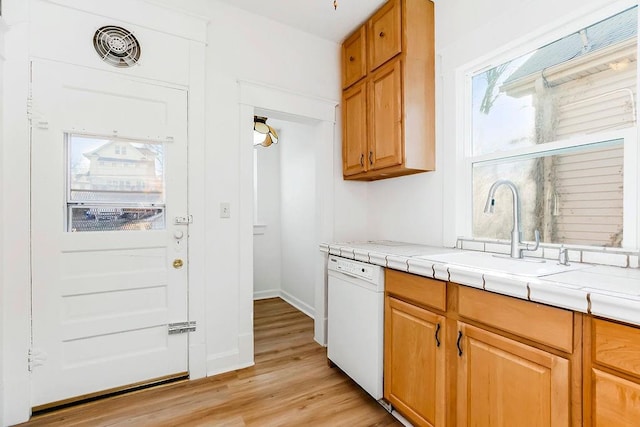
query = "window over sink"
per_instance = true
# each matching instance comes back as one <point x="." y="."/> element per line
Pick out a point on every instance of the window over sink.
<point x="560" y="122"/>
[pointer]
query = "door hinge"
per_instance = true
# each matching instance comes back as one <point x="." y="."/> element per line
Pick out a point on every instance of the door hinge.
<point x="182" y="327"/>
<point x="36" y="119"/>
<point x="35" y="358"/>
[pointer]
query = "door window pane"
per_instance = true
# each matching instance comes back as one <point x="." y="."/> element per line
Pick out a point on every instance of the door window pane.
<point x="114" y="184"/>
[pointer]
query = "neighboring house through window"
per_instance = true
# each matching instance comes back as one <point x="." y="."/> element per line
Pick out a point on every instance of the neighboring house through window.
<point x="560" y="122"/>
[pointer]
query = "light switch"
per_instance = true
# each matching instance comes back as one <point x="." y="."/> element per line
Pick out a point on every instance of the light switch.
<point x="225" y="210"/>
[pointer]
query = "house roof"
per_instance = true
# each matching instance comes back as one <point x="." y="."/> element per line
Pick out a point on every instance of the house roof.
<point x="144" y="152"/>
<point x="601" y="35"/>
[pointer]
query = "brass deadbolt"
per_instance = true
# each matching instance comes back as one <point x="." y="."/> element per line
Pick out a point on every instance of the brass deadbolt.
<point x="177" y="263"/>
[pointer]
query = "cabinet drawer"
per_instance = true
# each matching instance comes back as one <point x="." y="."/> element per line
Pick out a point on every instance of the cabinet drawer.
<point x="616" y="346"/>
<point x="546" y="325"/>
<point x="354" y="60"/>
<point x="385" y="34"/>
<point x="420" y="290"/>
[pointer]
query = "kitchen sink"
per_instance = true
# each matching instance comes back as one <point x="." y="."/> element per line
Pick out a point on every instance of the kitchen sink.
<point x="531" y="267"/>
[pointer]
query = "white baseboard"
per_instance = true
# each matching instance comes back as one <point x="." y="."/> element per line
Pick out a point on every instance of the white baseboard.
<point x="300" y="305"/>
<point x="279" y="293"/>
<point x="245" y="347"/>
<point x="269" y="293"/>
<point x="225" y="362"/>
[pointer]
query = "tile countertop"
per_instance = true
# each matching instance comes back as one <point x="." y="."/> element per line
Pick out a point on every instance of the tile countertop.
<point x="610" y="292"/>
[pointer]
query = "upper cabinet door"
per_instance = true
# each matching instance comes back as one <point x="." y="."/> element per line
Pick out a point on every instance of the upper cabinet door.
<point x="385" y="34"/>
<point x="354" y="63"/>
<point x="354" y="129"/>
<point x="385" y="117"/>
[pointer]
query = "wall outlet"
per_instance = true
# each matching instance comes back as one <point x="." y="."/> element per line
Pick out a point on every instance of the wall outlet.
<point x="225" y="210"/>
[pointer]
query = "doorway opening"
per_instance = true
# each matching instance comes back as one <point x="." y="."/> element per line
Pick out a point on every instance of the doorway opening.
<point x="319" y="117"/>
<point x="284" y="216"/>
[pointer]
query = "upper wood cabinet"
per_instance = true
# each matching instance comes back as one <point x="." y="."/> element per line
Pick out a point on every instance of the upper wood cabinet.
<point x="397" y="43"/>
<point x="385" y="27"/>
<point x="385" y="117"/>
<point x="354" y="109"/>
<point x="354" y="60"/>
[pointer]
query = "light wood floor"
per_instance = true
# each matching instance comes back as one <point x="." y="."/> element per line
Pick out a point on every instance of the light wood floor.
<point x="290" y="385"/>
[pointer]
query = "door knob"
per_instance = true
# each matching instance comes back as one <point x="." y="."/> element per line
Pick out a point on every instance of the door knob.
<point x="177" y="263"/>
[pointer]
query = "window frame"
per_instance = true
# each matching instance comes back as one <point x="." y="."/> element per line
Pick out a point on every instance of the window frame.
<point x="464" y="151"/>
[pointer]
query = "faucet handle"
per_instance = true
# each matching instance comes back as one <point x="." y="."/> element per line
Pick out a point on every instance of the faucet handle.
<point x="563" y="256"/>
<point x="535" y="247"/>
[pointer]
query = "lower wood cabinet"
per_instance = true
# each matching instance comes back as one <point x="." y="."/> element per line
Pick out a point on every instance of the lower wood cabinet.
<point x="502" y="382"/>
<point x="458" y="356"/>
<point x="415" y="362"/>
<point x="612" y="374"/>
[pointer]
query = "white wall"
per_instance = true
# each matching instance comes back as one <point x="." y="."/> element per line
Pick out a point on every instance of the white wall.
<point x="267" y="248"/>
<point x="351" y="216"/>
<point x="298" y="209"/>
<point x="2" y="225"/>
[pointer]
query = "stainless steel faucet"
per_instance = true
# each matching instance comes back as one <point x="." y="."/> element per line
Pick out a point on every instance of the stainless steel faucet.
<point x="517" y="247"/>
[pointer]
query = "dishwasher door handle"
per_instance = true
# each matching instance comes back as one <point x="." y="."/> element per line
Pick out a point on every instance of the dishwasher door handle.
<point x="353" y="276"/>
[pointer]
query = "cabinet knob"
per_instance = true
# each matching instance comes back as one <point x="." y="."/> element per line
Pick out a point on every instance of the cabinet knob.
<point x="351" y="59"/>
<point x="382" y="34"/>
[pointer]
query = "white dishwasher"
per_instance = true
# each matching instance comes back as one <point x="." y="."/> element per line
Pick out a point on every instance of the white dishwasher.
<point x="356" y="321"/>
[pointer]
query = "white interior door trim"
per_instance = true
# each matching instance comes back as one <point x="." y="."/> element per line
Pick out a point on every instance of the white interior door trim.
<point x="322" y="111"/>
<point x="196" y="203"/>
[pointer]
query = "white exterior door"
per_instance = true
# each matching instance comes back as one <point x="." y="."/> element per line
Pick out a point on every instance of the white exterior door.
<point x="109" y="247"/>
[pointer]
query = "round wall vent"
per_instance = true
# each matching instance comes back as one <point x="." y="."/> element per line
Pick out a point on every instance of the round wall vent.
<point x="116" y="46"/>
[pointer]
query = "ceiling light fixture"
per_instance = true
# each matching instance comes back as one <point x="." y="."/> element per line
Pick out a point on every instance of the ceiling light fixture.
<point x="335" y="4"/>
<point x="263" y="134"/>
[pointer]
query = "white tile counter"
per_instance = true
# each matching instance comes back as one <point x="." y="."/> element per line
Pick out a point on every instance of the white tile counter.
<point x="606" y="291"/>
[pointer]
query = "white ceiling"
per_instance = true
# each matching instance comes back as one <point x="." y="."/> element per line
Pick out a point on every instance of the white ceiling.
<point x="314" y="16"/>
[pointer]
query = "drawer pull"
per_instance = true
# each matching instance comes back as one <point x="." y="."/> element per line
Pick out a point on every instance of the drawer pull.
<point x="362" y="159"/>
<point x="371" y="157"/>
<point x="438" y="335"/>
<point x="458" y="343"/>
